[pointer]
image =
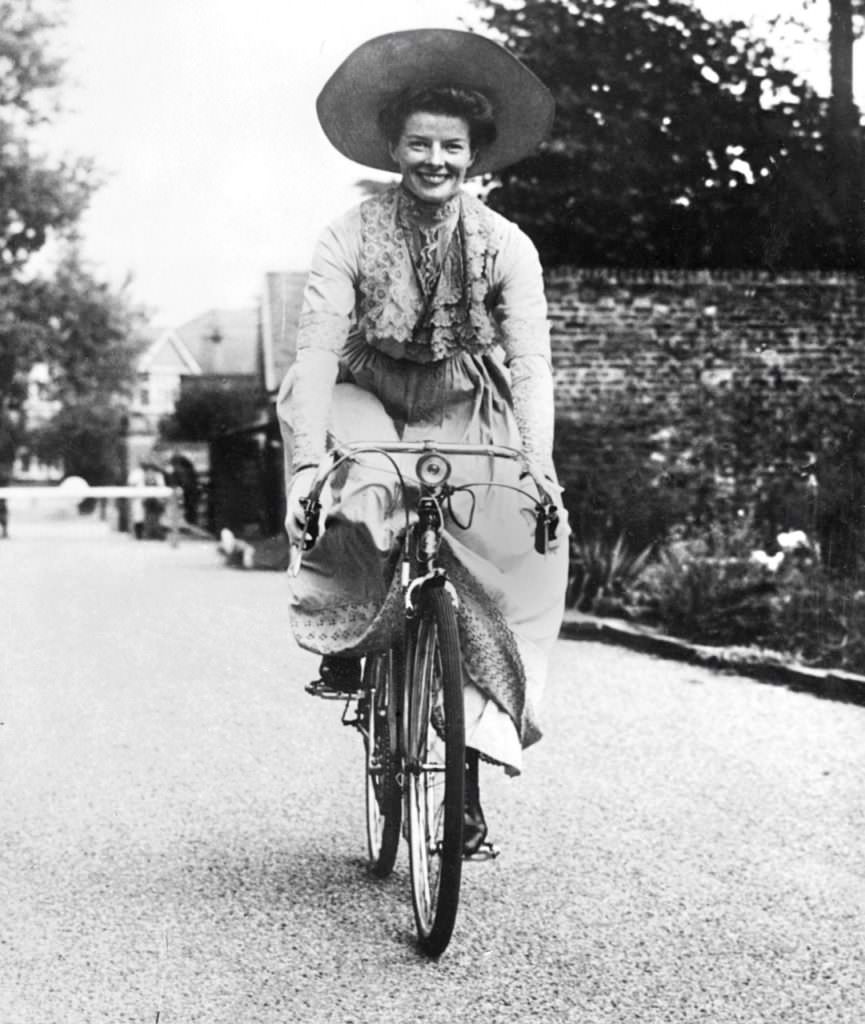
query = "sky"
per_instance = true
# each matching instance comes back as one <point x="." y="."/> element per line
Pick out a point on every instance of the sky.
<point x="200" y="115"/>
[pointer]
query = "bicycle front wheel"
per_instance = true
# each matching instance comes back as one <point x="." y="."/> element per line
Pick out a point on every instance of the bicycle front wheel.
<point x="435" y="767"/>
<point x="378" y="723"/>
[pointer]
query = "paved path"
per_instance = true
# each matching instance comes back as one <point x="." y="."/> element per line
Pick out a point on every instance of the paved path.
<point x="182" y="836"/>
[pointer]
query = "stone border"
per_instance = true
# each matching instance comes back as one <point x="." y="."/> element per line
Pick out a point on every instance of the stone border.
<point x="829" y="684"/>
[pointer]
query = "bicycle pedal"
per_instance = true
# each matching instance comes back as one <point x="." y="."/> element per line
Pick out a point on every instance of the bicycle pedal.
<point x="486" y="851"/>
<point x="318" y="688"/>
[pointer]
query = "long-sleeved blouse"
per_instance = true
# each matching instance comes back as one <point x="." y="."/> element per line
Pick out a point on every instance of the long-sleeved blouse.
<point x="420" y="287"/>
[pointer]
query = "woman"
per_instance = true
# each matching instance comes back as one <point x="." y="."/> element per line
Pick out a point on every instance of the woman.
<point x="424" y="316"/>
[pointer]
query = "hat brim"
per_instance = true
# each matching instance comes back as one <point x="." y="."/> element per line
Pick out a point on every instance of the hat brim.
<point x="348" y="106"/>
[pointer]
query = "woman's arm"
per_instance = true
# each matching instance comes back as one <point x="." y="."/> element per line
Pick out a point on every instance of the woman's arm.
<point x="304" y="400"/>
<point x="521" y="314"/>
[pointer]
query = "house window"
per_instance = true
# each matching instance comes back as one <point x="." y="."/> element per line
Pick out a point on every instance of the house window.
<point x="145" y="396"/>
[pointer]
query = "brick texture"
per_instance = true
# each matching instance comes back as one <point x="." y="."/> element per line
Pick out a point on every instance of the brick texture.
<point x="667" y="339"/>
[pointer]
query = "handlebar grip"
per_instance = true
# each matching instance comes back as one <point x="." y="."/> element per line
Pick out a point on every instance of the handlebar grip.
<point x="552" y="521"/>
<point x="546" y="525"/>
<point x="540" y="535"/>
<point x="312" y="510"/>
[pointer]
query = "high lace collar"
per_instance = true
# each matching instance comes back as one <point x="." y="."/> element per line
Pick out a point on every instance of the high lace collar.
<point x="392" y="309"/>
<point x="417" y="213"/>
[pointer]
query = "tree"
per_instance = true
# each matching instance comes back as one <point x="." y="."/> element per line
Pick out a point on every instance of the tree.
<point x="845" y="132"/>
<point x="87" y="332"/>
<point x="81" y="329"/>
<point x="207" y="412"/>
<point x="844" y="22"/>
<point x="678" y="142"/>
<point x="89" y="337"/>
<point x="87" y="440"/>
<point x="38" y="195"/>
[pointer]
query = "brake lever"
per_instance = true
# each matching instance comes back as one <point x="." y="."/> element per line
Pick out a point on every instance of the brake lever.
<point x="546" y="525"/>
<point x="312" y="511"/>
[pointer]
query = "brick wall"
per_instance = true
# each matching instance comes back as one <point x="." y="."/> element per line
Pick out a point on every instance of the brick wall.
<point x="664" y="329"/>
<point x="667" y="338"/>
<point x="680" y="394"/>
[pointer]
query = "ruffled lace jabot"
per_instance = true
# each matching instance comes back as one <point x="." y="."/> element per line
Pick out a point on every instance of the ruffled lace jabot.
<point x="415" y="211"/>
<point x="423" y="285"/>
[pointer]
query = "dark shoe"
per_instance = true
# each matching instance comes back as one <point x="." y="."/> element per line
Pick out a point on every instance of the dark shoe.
<point x="474" y="823"/>
<point x="340" y="675"/>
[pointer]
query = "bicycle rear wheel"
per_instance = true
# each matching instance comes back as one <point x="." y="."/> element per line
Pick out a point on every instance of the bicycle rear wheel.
<point x="383" y="797"/>
<point x="435" y="768"/>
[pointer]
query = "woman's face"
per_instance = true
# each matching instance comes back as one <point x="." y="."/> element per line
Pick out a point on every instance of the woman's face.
<point x="434" y="153"/>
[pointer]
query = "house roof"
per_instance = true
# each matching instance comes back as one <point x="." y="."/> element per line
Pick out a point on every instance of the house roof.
<point x="281" y="302"/>
<point x="167" y="352"/>
<point x="223" y="341"/>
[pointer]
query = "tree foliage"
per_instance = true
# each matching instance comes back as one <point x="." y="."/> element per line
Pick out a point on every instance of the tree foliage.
<point x="86" y="439"/>
<point x="207" y="412"/>
<point x="87" y="332"/>
<point x="84" y="331"/>
<point x="678" y="142"/>
<point x="89" y="337"/>
<point x="38" y="194"/>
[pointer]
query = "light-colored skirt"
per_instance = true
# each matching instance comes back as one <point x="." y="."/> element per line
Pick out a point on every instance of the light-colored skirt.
<point x="346" y="598"/>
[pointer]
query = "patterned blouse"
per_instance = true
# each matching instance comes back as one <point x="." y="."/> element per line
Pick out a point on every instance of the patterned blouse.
<point x="424" y="284"/>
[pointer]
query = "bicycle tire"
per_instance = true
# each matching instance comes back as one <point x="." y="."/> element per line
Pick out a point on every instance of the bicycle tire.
<point x="435" y="768"/>
<point x="381" y="763"/>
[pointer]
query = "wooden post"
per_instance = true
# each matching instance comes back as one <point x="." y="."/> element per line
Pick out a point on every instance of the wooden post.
<point x="174" y="515"/>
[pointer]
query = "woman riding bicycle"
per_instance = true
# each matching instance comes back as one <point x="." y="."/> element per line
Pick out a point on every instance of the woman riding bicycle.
<point x="424" y="317"/>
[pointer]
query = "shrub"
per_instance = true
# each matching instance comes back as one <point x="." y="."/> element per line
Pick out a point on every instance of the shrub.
<point x="708" y="589"/>
<point x="613" y="487"/>
<point x="602" y="575"/>
<point x="86" y="440"/>
<point x="207" y="412"/>
<point x="818" y="617"/>
<point x="715" y="589"/>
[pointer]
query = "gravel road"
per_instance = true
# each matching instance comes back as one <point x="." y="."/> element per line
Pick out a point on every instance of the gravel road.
<point x="182" y="828"/>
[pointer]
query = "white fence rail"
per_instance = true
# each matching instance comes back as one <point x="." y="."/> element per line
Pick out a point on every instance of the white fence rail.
<point x="77" y="490"/>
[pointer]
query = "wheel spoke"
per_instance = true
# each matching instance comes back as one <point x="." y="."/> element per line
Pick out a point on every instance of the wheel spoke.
<point x="434" y="733"/>
<point x="383" y="797"/>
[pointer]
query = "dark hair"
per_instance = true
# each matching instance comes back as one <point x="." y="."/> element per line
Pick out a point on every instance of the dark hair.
<point x="475" y="109"/>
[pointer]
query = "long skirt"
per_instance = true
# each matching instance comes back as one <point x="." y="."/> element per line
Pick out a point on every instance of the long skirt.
<point x="346" y="599"/>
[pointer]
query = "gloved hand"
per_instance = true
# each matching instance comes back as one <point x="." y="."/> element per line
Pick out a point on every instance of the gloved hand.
<point x="298" y="488"/>
<point x="544" y="477"/>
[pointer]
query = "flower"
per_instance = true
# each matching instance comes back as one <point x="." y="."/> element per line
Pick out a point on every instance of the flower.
<point x="770" y="562"/>
<point x="793" y="540"/>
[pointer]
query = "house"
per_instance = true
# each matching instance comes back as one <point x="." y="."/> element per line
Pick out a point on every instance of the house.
<point x="224" y="343"/>
<point x="159" y="371"/>
<point x="220" y="347"/>
<point x="247" y="475"/>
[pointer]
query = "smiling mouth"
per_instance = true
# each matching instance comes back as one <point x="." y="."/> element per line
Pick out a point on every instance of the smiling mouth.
<point x="434" y="178"/>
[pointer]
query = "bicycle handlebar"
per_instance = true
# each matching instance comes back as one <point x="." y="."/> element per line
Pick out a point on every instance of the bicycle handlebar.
<point x="546" y="510"/>
<point x="499" y="451"/>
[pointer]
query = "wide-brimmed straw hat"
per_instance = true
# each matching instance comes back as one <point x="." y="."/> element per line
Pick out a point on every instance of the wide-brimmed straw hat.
<point x="349" y="104"/>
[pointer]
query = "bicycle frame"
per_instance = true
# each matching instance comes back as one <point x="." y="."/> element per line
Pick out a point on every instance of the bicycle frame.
<point x="430" y="672"/>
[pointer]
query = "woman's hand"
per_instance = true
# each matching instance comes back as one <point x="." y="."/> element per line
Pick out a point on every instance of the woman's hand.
<point x="295" y="516"/>
<point x="545" y="480"/>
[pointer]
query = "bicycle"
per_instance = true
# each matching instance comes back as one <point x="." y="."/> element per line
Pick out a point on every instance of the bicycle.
<point x="410" y="707"/>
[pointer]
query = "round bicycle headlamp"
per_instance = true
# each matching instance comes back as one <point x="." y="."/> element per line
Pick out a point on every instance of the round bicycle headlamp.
<point x="433" y="469"/>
